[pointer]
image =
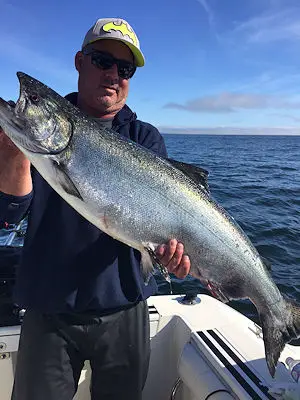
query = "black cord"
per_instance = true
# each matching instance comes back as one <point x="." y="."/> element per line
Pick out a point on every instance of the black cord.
<point x="216" y="391"/>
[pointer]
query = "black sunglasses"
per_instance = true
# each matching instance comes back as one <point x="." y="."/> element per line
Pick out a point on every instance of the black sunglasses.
<point x="105" y="60"/>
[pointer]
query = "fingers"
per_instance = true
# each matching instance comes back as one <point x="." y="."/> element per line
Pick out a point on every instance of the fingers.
<point x="166" y="252"/>
<point x="172" y="256"/>
<point x="183" y="268"/>
<point x="176" y="257"/>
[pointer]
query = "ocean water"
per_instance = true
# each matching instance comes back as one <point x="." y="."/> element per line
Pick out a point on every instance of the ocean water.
<point x="257" y="180"/>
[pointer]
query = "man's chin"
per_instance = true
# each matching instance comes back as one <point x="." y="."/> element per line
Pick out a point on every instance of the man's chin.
<point x="105" y="105"/>
<point x="106" y="101"/>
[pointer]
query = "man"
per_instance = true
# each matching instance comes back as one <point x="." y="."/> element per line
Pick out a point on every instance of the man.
<point x="83" y="291"/>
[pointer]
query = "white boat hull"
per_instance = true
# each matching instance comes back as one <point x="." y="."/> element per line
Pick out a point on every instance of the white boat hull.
<point x="197" y="351"/>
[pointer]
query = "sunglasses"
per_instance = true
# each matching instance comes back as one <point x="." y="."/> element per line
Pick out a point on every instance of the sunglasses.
<point x="105" y="60"/>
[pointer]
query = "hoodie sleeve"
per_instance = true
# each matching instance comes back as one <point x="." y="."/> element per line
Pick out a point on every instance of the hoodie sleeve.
<point x="153" y="140"/>
<point x="13" y="208"/>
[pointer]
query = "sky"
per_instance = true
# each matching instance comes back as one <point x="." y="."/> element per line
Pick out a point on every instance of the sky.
<point x="212" y="66"/>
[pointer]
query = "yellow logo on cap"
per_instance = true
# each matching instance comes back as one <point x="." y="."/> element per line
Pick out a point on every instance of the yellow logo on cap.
<point x="123" y="28"/>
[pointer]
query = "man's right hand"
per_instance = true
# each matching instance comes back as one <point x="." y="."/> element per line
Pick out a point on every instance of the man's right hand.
<point x="7" y="148"/>
<point x="15" y="176"/>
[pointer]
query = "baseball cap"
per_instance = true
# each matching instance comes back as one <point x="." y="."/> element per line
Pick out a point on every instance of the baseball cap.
<point x="116" y="29"/>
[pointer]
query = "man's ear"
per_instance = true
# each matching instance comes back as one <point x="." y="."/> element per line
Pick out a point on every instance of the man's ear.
<point x="78" y="60"/>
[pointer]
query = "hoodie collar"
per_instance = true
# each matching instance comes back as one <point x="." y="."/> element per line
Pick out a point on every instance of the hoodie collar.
<point x="124" y="116"/>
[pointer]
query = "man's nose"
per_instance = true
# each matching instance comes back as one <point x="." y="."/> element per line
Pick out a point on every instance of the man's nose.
<point x="112" y="72"/>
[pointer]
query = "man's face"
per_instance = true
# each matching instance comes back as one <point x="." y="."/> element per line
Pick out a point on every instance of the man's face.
<point x="101" y="91"/>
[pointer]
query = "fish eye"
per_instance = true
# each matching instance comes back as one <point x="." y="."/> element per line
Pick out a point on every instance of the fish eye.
<point x="34" y="98"/>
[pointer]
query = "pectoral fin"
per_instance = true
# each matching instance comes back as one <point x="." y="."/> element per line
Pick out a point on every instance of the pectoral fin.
<point x="65" y="181"/>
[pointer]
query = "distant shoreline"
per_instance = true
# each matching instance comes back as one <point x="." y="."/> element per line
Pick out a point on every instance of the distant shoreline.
<point x="232" y="134"/>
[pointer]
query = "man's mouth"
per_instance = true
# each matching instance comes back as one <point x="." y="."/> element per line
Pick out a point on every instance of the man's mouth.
<point x="114" y="89"/>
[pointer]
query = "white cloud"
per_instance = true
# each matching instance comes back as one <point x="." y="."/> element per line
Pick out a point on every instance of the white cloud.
<point x="272" y="26"/>
<point x="208" y="11"/>
<point x="210" y="15"/>
<point x="230" y="102"/>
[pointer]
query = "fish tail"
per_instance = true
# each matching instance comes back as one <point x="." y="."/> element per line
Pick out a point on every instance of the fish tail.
<point x="278" y="329"/>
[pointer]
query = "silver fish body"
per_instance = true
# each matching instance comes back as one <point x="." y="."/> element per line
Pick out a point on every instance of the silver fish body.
<point x="142" y="200"/>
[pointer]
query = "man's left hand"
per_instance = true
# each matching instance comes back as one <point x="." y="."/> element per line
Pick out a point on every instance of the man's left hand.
<point x="172" y="256"/>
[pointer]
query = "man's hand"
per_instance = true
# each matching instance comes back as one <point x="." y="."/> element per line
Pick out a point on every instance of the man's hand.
<point x="15" y="177"/>
<point x="172" y="256"/>
<point x="7" y="148"/>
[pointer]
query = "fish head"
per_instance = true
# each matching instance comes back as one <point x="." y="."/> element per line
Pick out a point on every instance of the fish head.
<point x="39" y="122"/>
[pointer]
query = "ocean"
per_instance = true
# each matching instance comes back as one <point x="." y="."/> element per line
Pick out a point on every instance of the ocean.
<point x="257" y="180"/>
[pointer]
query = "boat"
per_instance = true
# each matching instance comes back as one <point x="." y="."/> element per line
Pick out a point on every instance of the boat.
<point x="201" y="349"/>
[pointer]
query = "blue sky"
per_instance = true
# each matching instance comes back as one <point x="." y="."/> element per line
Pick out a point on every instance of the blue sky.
<point x="211" y="65"/>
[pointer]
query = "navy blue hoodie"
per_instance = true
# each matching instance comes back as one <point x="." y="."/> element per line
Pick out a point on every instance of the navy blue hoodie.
<point x="67" y="264"/>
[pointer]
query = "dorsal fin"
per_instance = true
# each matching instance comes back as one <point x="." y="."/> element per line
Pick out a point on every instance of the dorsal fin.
<point x="197" y="174"/>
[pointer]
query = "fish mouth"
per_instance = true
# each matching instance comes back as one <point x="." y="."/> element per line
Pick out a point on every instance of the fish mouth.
<point x="24" y="78"/>
<point x="24" y="128"/>
<point x="21" y="75"/>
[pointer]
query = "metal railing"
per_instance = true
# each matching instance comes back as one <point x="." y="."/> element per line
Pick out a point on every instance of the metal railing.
<point x="15" y="232"/>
